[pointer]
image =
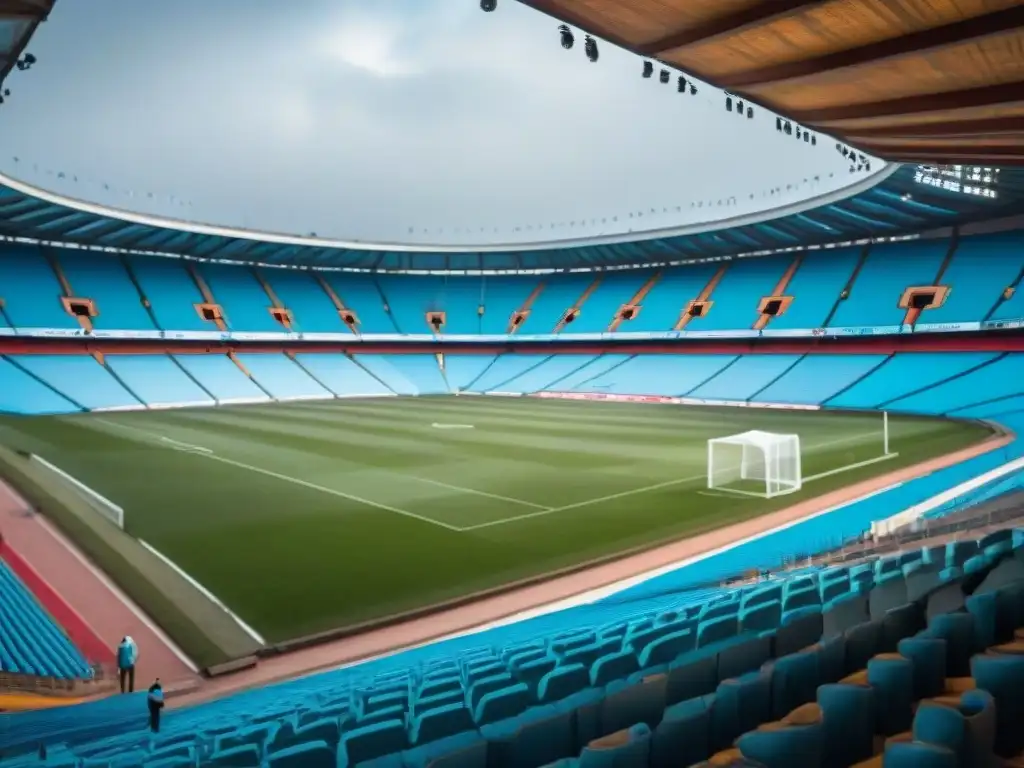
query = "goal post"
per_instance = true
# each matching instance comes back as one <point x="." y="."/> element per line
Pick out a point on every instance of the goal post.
<point x="755" y="463"/>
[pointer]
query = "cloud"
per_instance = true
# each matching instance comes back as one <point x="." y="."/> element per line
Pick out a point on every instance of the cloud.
<point x="366" y="118"/>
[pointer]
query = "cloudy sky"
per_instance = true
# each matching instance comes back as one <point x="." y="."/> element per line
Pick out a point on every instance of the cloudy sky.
<point x="421" y="121"/>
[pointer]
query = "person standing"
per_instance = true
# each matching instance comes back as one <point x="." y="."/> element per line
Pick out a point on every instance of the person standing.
<point x="155" y="701"/>
<point x="127" y="655"/>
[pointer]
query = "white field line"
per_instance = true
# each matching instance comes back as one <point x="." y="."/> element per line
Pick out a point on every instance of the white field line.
<point x="325" y="489"/>
<point x="471" y="491"/>
<point x="667" y="484"/>
<point x="189" y="448"/>
<point x="107" y="583"/>
<point x="848" y="467"/>
<point x="203" y="591"/>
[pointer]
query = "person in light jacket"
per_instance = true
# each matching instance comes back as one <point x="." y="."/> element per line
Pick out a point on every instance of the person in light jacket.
<point x="127" y="655"/>
<point x="155" y="701"/>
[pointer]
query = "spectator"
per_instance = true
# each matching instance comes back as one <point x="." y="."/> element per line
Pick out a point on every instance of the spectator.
<point x="127" y="655"/>
<point x="156" y="703"/>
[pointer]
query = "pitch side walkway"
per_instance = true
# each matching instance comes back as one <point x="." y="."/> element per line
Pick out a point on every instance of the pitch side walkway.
<point x="91" y="594"/>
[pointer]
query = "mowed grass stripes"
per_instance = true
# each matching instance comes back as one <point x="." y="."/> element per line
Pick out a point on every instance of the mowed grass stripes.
<point x="309" y="516"/>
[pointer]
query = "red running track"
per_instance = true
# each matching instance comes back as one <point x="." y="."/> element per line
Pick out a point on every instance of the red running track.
<point x="63" y="572"/>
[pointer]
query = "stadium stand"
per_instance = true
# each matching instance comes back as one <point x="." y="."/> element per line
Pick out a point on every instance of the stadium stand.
<point x="661" y="307"/>
<point x="823" y="666"/>
<point x="220" y="377"/>
<point x="816" y="287"/>
<point x="736" y="297"/>
<point x="30" y="642"/>
<point x="462" y="370"/>
<point x="145" y="293"/>
<point x="342" y="375"/>
<point x="964" y="384"/>
<point x="108" y="285"/>
<point x="304" y="296"/>
<point x="157" y="380"/>
<point x="20" y="392"/>
<point x="280" y="377"/>
<point x="670" y="672"/>
<point x="83" y="379"/>
<point x="171" y="292"/>
<point x="406" y="374"/>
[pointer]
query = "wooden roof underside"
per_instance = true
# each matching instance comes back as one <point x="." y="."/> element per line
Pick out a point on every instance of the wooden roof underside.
<point x="924" y="81"/>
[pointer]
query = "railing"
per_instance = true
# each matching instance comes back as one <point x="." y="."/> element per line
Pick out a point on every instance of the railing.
<point x="103" y="681"/>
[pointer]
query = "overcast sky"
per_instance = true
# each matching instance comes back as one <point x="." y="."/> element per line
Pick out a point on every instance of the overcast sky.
<point x="387" y="120"/>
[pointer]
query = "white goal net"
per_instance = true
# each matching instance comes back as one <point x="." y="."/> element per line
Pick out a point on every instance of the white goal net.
<point x="755" y="463"/>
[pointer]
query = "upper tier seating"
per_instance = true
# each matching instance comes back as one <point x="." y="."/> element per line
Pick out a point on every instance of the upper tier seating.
<point x="30" y="643"/>
<point x="108" y="284"/>
<point x="30" y="290"/>
<point x="312" y="308"/>
<point x="809" y="669"/>
<point x="886" y="273"/>
<point x="664" y="303"/>
<point x="979" y="270"/>
<point x="816" y="287"/>
<point x="736" y="297"/>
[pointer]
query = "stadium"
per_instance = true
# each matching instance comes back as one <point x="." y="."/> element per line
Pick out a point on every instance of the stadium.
<point x="739" y="487"/>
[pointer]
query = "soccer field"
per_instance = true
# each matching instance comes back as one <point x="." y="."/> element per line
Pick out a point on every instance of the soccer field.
<point x="308" y="516"/>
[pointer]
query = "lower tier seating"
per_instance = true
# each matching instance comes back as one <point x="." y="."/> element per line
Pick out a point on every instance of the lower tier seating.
<point x="30" y="642"/>
<point x="881" y="662"/>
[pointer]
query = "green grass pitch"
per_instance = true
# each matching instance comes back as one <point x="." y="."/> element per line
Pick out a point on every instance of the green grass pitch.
<point x="309" y="516"/>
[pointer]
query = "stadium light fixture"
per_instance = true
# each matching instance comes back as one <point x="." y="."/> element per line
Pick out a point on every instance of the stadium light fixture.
<point x="681" y="87"/>
<point x="750" y="113"/>
<point x="566" y="37"/>
<point x="728" y="103"/>
<point x="664" y="76"/>
<point x="488" y="5"/>
<point x="778" y="124"/>
<point x="693" y="89"/>
<point x="648" y="70"/>
<point x="590" y="48"/>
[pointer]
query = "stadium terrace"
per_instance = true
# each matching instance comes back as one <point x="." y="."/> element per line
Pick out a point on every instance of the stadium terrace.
<point x="743" y="493"/>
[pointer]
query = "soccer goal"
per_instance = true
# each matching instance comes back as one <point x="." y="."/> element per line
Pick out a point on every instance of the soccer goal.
<point x="755" y="463"/>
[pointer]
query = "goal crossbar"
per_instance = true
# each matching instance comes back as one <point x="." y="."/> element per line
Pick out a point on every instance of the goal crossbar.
<point x="755" y="463"/>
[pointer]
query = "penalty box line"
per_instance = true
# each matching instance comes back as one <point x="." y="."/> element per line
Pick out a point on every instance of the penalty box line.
<point x="206" y="453"/>
<point x="682" y="481"/>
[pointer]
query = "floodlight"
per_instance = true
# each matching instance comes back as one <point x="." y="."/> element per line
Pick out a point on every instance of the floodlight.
<point x="590" y="48"/>
<point x="648" y="69"/>
<point x="566" y="36"/>
<point x="488" y="5"/>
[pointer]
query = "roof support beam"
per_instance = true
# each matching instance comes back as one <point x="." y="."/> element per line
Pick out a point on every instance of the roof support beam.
<point x="990" y="96"/>
<point x="936" y="38"/>
<point x="993" y="126"/>
<point x="725" y="26"/>
<point x="953" y="156"/>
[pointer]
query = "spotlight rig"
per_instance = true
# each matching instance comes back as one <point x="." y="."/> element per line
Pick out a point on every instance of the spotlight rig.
<point x="590" y="48"/>
<point x="488" y="5"/>
<point x="566" y="37"/>
<point x="664" y="76"/>
<point x="26" y="61"/>
<point x="648" y="71"/>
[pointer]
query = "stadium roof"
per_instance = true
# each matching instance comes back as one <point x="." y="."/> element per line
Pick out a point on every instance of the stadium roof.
<point x="891" y="202"/>
<point x="940" y="81"/>
<point x="18" y="22"/>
